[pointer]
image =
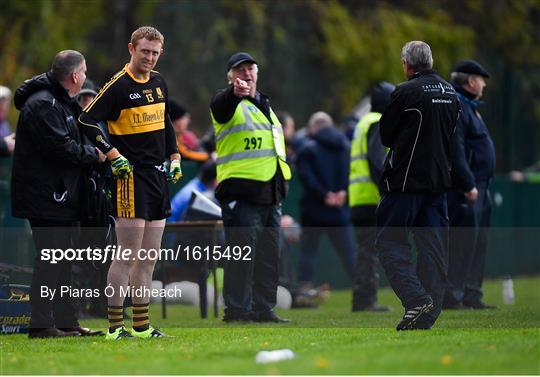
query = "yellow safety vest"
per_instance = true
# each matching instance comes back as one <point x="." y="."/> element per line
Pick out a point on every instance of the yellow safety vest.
<point x="362" y="189"/>
<point x="249" y="146"/>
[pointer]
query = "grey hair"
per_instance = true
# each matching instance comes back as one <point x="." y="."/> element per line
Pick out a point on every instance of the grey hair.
<point x="417" y="54"/>
<point x="64" y="63"/>
<point x="319" y="120"/>
<point x="460" y="78"/>
<point x="229" y="73"/>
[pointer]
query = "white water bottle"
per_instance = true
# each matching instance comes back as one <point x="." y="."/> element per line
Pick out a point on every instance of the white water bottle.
<point x="509" y="297"/>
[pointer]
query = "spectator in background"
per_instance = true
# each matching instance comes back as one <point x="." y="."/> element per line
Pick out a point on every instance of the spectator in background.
<point x="205" y="183"/>
<point x="7" y="136"/>
<point x="349" y="125"/>
<point x="301" y="298"/>
<point x="469" y="202"/>
<point x="187" y="141"/>
<point x="87" y="93"/>
<point x="323" y="168"/>
<point x="292" y="142"/>
<point x="530" y="174"/>
<point x="7" y="146"/>
<point x="367" y="156"/>
<point x="208" y="142"/>
<point x="47" y="184"/>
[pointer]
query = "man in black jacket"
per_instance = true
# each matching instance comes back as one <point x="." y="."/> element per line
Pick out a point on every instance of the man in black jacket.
<point x="417" y="127"/>
<point x="46" y="185"/>
<point x="469" y="203"/>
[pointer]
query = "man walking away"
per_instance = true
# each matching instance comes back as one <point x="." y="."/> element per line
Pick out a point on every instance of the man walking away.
<point x="417" y="127"/>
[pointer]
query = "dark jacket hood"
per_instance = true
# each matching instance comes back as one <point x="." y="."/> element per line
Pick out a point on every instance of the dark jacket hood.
<point x="331" y="137"/>
<point x="36" y="84"/>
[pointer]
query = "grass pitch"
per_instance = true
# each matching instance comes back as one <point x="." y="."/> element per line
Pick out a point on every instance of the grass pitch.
<point x="328" y="340"/>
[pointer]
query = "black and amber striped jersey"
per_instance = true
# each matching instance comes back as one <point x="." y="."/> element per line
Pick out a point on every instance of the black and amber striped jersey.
<point x="137" y="119"/>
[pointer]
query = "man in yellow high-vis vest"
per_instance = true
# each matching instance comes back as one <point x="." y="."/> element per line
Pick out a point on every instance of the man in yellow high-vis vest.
<point x="367" y="156"/>
<point x="252" y="179"/>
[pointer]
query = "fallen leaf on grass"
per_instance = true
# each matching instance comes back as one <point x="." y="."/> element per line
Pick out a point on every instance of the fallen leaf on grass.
<point x="447" y="360"/>
<point x="321" y="363"/>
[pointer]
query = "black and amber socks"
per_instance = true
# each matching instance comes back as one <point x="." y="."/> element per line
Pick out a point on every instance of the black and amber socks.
<point x="116" y="317"/>
<point x="140" y="317"/>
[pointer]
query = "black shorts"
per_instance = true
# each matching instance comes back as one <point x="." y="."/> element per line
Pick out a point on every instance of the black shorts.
<point x="144" y="195"/>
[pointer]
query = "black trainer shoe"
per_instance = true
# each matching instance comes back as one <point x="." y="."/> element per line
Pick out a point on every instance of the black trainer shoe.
<point x="412" y="314"/>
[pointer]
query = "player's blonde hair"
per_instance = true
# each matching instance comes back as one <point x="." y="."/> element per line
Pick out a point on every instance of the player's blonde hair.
<point x="148" y="32"/>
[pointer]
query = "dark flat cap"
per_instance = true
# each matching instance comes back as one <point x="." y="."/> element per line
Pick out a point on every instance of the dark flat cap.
<point x="472" y="68"/>
<point x="239" y="58"/>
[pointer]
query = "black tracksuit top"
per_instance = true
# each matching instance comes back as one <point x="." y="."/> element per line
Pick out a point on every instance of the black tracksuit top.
<point x="417" y="126"/>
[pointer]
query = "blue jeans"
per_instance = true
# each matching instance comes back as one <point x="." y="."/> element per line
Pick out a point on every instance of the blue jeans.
<point x="422" y="218"/>
<point x="251" y="285"/>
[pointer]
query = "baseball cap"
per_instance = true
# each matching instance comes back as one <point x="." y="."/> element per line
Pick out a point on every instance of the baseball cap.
<point x="471" y="67"/>
<point x="239" y="58"/>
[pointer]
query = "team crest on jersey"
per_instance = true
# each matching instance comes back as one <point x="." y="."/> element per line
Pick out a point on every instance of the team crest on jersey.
<point x="159" y="93"/>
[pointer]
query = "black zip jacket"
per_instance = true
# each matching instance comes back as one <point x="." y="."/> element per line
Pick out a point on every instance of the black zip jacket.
<point x="473" y="152"/>
<point x="50" y="154"/>
<point x="417" y="126"/>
